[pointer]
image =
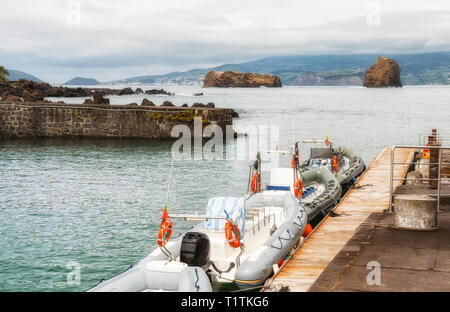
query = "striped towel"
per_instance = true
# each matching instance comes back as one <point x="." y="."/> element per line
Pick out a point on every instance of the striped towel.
<point x="235" y="208"/>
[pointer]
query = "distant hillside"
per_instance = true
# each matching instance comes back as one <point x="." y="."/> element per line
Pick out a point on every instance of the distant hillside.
<point x="17" y="74"/>
<point x="80" y="81"/>
<point x="330" y="78"/>
<point x="417" y="69"/>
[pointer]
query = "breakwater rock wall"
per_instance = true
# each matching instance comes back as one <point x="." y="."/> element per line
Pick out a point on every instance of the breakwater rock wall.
<point x="43" y="120"/>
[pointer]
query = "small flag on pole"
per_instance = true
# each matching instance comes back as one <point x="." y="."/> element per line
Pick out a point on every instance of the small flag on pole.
<point x="165" y="215"/>
<point x="326" y="139"/>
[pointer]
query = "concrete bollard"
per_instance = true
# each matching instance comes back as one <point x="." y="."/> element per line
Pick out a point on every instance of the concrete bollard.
<point x="415" y="212"/>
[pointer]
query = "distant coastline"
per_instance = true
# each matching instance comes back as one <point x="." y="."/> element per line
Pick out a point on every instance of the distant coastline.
<point x="300" y="70"/>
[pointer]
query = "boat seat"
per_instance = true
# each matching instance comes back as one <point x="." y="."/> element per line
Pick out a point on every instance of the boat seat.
<point x="308" y="191"/>
<point x="234" y="207"/>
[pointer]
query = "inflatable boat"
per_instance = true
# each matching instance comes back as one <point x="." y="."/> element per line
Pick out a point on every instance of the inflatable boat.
<point x="342" y="162"/>
<point x="321" y="192"/>
<point x="239" y="239"/>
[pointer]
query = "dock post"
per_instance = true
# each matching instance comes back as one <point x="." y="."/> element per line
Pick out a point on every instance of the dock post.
<point x="434" y="160"/>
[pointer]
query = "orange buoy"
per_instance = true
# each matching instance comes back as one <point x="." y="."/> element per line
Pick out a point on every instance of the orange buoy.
<point x="298" y="188"/>
<point x="256" y="183"/>
<point x="232" y="234"/>
<point x="308" y="230"/>
<point x="335" y="164"/>
<point x="164" y="232"/>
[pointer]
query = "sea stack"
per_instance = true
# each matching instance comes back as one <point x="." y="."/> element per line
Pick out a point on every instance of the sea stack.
<point x="232" y="79"/>
<point x="384" y="73"/>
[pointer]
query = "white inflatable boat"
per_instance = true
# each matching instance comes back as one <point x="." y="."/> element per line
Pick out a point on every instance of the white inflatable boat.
<point x="270" y="224"/>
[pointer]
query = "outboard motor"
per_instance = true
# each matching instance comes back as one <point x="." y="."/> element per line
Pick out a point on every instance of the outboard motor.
<point x="195" y="249"/>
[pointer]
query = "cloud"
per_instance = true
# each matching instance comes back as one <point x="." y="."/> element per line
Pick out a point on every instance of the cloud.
<point x="56" y="40"/>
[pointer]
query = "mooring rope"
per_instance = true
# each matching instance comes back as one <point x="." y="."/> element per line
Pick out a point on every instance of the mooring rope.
<point x="168" y="185"/>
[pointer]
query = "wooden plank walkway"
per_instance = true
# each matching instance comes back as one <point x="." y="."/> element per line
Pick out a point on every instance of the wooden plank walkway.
<point x="370" y="194"/>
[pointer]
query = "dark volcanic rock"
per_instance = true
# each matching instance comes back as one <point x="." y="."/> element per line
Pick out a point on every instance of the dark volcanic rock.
<point x="98" y="99"/>
<point x="384" y="73"/>
<point x="125" y="91"/>
<point x="4" y="95"/>
<point x="139" y="91"/>
<point x="13" y="98"/>
<point x="146" y="102"/>
<point x="37" y="91"/>
<point x="167" y="103"/>
<point x="158" y="91"/>
<point x="66" y="92"/>
<point x="231" y="79"/>
<point x="27" y="96"/>
<point x="37" y="96"/>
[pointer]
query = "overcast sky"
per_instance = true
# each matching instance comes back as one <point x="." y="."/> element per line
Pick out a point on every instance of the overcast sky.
<point x="56" y="40"/>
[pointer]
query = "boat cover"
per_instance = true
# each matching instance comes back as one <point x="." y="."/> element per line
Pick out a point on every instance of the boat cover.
<point x="234" y="207"/>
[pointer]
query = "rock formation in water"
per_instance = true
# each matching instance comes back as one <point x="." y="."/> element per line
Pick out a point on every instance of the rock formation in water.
<point x="384" y="73"/>
<point x="126" y="91"/>
<point x="158" y="91"/>
<point x="231" y="79"/>
<point x="167" y="103"/>
<point x="146" y="102"/>
<point x="97" y="98"/>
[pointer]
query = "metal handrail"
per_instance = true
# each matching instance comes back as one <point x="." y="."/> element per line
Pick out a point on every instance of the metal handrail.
<point x="439" y="138"/>
<point x="417" y="147"/>
<point x="195" y="216"/>
<point x="415" y="179"/>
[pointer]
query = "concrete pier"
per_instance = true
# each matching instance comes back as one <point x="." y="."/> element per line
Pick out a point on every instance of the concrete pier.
<point x="322" y="261"/>
<point x="408" y="261"/>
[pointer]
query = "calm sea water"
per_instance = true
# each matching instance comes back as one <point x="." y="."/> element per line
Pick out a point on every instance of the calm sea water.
<point x="98" y="202"/>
